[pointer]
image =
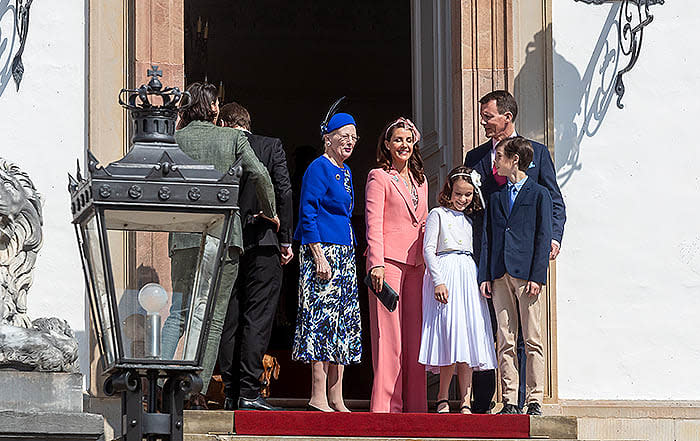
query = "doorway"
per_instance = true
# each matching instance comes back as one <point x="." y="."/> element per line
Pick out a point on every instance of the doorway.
<point x="286" y="63"/>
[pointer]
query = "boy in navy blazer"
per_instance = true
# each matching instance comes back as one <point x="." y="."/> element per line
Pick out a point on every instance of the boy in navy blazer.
<point x="513" y="266"/>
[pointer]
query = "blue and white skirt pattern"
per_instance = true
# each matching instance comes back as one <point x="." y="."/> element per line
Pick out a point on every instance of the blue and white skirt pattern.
<point x="328" y="318"/>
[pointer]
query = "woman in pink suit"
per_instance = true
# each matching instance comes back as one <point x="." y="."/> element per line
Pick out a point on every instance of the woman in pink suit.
<point x="396" y="208"/>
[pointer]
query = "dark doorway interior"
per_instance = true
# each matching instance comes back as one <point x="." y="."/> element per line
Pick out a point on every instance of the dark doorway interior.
<point x="286" y="62"/>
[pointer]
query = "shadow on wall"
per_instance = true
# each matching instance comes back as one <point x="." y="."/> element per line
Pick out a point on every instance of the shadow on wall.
<point x="580" y="102"/>
<point x="593" y="94"/>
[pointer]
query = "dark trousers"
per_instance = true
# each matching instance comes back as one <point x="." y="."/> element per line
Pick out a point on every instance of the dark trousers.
<point x="248" y="323"/>
<point x="484" y="382"/>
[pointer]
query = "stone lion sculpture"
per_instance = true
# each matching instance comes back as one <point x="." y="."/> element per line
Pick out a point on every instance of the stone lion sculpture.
<point x="20" y="241"/>
<point x="45" y="344"/>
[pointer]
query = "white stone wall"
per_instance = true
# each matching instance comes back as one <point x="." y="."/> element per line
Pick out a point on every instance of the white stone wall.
<point x="628" y="288"/>
<point x="42" y="129"/>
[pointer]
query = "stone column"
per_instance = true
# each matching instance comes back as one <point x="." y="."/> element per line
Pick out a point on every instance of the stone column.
<point x="533" y="88"/>
<point x="126" y="38"/>
<point x="160" y="40"/>
<point x="108" y="53"/>
<point x="159" y="31"/>
<point x="108" y="72"/>
<point x="506" y="44"/>
<point x="484" y="49"/>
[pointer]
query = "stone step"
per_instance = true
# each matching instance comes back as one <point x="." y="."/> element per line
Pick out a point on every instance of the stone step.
<point x="49" y="426"/>
<point x="200" y="437"/>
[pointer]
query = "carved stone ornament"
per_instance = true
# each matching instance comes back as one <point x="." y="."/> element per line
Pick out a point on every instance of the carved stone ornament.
<point x="46" y="343"/>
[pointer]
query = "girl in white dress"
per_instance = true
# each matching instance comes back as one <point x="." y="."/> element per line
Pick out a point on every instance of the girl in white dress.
<point x="456" y="322"/>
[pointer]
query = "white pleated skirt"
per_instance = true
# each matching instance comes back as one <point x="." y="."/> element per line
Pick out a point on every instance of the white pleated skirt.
<point x="459" y="331"/>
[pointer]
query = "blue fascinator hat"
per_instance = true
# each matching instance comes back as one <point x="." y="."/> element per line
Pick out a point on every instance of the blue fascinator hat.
<point x="339" y="120"/>
<point x="334" y="121"/>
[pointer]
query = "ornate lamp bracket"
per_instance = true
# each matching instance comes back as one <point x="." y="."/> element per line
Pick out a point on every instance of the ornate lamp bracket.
<point x="634" y="17"/>
<point x="22" y="23"/>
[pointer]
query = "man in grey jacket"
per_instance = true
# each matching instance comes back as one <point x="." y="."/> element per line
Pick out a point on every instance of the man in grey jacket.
<point x="221" y="147"/>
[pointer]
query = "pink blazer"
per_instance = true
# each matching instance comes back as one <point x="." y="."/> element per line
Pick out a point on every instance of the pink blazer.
<point x="394" y="228"/>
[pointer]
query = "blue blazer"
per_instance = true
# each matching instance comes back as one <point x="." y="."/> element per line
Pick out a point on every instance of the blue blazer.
<point x="325" y="207"/>
<point x="518" y="244"/>
<point x="541" y="171"/>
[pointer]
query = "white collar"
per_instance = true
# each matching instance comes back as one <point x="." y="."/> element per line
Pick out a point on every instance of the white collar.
<point x="494" y="143"/>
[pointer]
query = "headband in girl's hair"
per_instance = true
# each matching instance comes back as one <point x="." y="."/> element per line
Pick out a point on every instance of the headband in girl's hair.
<point x="409" y="125"/>
<point x="476" y="180"/>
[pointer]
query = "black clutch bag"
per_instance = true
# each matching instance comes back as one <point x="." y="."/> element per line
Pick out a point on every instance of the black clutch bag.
<point x="387" y="295"/>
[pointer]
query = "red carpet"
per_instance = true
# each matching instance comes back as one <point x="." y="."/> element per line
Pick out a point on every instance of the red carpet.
<point x="381" y="424"/>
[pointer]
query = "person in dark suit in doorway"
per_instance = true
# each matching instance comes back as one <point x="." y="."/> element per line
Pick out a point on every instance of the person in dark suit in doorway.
<point x="255" y="294"/>
<point x="498" y="110"/>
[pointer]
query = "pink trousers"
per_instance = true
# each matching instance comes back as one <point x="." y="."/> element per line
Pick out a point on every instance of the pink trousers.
<point x="399" y="380"/>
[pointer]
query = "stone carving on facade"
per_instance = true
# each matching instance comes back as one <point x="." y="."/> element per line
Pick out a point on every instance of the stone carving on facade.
<point x="46" y="343"/>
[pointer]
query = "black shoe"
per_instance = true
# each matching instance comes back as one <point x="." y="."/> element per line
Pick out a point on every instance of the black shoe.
<point x="230" y="404"/>
<point x="534" y="408"/>
<point x="258" y="403"/>
<point x="509" y="409"/>
<point x="477" y="409"/>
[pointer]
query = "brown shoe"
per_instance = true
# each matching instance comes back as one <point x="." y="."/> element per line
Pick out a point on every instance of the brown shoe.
<point x="197" y="402"/>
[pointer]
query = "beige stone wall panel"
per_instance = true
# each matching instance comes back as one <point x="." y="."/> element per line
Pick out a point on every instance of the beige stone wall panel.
<point x="142" y="9"/>
<point x="484" y="33"/>
<point x="626" y="429"/>
<point x="486" y="58"/>
<point x="160" y="40"/>
<point x="465" y="11"/>
<point x="687" y="430"/>
<point x="107" y="75"/>
<point x="161" y="31"/>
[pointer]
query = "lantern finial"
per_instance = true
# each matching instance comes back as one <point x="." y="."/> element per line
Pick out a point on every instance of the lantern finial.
<point x="152" y="122"/>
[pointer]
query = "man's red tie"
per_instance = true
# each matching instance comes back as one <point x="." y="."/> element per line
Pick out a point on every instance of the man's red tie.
<point x="500" y="180"/>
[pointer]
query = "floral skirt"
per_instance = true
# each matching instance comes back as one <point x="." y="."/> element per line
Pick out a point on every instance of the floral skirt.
<point x="328" y="317"/>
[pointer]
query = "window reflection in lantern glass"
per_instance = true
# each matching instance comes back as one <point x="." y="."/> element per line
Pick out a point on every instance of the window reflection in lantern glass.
<point x="98" y="288"/>
<point x="163" y="266"/>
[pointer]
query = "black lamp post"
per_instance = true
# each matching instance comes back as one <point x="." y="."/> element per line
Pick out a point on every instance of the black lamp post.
<point x="152" y="229"/>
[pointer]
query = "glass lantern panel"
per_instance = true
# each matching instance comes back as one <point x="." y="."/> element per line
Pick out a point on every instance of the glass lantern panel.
<point x="98" y="290"/>
<point x="163" y="265"/>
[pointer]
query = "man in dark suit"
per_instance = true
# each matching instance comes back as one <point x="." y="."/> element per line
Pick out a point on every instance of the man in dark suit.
<point x="498" y="110"/>
<point x="255" y="294"/>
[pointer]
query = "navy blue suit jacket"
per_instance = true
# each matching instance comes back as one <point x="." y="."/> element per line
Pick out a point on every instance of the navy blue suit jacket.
<point x="518" y="243"/>
<point x="541" y="172"/>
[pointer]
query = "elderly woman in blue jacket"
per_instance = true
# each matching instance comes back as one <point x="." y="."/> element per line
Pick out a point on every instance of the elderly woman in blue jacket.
<point x="328" y="320"/>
